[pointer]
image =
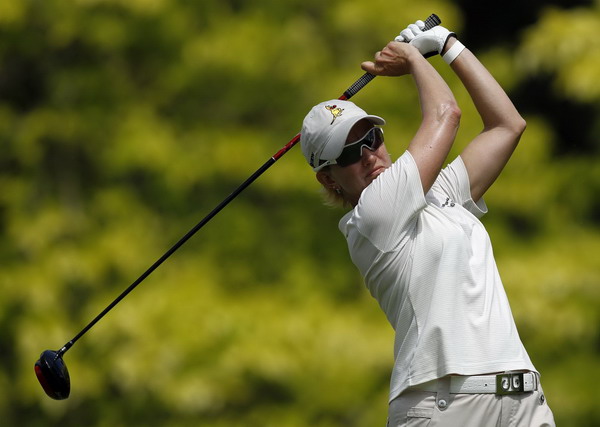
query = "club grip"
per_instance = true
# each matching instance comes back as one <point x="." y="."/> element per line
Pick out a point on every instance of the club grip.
<point x="431" y="21"/>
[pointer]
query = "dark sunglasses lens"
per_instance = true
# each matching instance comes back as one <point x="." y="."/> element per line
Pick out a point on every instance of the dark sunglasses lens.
<point x="353" y="152"/>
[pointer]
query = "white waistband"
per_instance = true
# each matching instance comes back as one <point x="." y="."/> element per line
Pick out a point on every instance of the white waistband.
<point x="506" y="383"/>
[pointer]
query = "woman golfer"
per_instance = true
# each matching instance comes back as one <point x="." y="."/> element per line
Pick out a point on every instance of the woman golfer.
<point x="413" y="232"/>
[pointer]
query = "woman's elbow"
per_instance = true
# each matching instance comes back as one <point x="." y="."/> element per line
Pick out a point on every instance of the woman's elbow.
<point x="515" y="124"/>
<point x="451" y="113"/>
<point x="519" y="125"/>
<point x="512" y="128"/>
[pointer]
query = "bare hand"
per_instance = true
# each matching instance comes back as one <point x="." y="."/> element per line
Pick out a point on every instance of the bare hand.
<point x="394" y="60"/>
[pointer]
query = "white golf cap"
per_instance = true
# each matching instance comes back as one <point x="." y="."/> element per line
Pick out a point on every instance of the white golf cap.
<point x="326" y="127"/>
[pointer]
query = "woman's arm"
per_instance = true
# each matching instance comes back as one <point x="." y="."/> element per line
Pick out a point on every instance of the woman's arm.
<point x="488" y="153"/>
<point x="441" y="115"/>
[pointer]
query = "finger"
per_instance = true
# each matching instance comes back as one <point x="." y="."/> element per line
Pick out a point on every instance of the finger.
<point x="374" y="68"/>
<point x="383" y="55"/>
<point x="400" y="39"/>
<point x="368" y="66"/>
<point x="415" y="29"/>
<point x="378" y="55"/>
<point x="407" y="34"/>
<point x="420" y="24"/>
<point x="386" y="52"/>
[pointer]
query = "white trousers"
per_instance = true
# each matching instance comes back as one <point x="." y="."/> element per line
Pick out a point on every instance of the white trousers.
<point x="427" y="409"/>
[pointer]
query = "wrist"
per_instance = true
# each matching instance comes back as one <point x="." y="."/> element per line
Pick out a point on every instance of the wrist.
<point x="414" y="60"/>
<point x="453" y="51"/>
<point x="449" y="43"/>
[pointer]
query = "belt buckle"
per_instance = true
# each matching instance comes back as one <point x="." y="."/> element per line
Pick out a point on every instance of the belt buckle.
<point x="510" y="383"/>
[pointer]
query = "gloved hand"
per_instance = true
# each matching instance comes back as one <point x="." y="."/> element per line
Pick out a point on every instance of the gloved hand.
<point x="428" y="42"/>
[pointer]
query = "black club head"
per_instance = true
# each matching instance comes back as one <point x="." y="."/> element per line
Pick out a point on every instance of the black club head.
<point x="53" y="375"/>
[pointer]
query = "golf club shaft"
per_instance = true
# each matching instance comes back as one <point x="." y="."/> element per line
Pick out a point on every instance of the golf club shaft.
<point x="430" y="22"/>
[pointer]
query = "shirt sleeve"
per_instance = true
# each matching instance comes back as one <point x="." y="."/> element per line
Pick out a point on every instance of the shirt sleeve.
<point x="389" y="205"/>
<point x="454" y="182"/>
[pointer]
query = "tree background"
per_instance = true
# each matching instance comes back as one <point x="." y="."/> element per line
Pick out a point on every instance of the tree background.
<point x="122" y="123"/>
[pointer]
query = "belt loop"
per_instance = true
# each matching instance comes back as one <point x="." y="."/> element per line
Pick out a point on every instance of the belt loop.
<point x="443" y="393"/>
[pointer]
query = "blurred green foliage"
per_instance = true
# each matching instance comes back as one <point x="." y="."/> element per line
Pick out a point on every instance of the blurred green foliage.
<point x="122" y="123"/>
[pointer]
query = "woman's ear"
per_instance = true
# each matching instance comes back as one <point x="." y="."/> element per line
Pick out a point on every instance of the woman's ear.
<point x="326" y="180"/>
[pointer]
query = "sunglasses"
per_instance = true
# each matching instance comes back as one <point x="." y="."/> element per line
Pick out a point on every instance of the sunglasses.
<point x="352" y="153"/>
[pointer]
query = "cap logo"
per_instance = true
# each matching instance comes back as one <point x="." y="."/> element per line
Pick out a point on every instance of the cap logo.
<point x="335" y="112"/>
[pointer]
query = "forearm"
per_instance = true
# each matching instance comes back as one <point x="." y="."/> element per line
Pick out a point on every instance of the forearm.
<point x="435" y="97"/>
<point x="441" y="117"/>
<point x="491" y="101"/>
<point x="487" y="154"/>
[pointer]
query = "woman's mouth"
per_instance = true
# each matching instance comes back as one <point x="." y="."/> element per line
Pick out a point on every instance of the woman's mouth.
<point x="375" y="172"/>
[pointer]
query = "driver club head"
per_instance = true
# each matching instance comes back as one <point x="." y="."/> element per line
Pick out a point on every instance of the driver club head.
<point x="53" y="375"/>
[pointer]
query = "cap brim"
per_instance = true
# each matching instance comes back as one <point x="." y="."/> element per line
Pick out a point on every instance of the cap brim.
<point x="335" y="145"/>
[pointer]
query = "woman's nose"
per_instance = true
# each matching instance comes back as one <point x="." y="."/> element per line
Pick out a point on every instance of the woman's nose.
<point x="367" y="155"/>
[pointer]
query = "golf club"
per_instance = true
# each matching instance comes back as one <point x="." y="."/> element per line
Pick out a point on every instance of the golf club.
<point x="50" y="368"/>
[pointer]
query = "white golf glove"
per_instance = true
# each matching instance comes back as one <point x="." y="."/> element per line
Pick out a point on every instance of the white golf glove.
<point x="428" y="42"/>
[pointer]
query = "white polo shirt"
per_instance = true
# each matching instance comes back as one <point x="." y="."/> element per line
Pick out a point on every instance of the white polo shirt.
<point x="428" y="261"/>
